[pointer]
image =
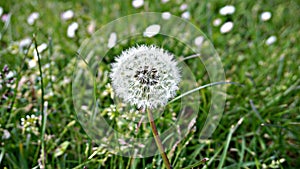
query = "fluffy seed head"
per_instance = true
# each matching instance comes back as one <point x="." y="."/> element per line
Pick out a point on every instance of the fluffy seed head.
<point x="145" y="76"/>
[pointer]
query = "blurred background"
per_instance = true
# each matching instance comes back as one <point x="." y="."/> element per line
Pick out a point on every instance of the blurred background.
<point x="257" y="42"/>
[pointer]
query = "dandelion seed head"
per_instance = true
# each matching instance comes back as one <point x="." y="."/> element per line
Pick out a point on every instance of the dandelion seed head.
<point x="145" y="76"/>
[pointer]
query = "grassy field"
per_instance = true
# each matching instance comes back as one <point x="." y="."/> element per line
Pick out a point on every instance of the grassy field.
<point x="260" y="52"/>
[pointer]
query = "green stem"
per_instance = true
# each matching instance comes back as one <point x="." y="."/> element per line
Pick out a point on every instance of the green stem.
<point x="157" y="140"/>
<point x="42" y="108"/>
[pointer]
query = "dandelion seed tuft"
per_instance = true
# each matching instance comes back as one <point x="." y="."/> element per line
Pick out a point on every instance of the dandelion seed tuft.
<point x="145" y="76"/>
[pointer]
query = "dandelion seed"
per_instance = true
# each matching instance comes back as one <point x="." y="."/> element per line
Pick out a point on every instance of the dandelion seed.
<point x="186" y="15"/>
<point x="226" y="27"/>
<point x="69" y="14"/>
<point x="265" y="16"/>
<point x="32" y="17"/>
<point x="137" y="3"/>
<point x="217" y="22"/>
<point x="72" y="29"/>
<point x="227" y="10"/>
<point x="152" y="30"/>
<point x="145" y="76"/>
<point x="166" y="15"/>
<point x="271" y="40"/>
<point x="112" y="41"/>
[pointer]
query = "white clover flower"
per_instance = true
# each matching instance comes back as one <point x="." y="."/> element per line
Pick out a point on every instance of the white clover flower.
<point x="69" y="14"/>
<point x="272" y="39"/>
<point x="145" y="76"/>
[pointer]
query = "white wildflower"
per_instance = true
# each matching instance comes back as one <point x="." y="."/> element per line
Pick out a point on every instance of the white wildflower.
<point x="164" y="1"/>
<point x="40" y="48"/>
<point x="183" y="7"/>
<point x="72" y="29"/>
<point x="32" y="17"/>
<point x="217" y="22"/>
<point x="166" y="15"/>
<point x="69" y="14"/>
<point x="227" y="10"/>
<point x="226" y="27"/>
<point x="1" y="10"/>
<point x="6" y="134"/>
<point x="152" y="30"/>
<point x="265" y="16"/>
<point x="199" y="40"/>
<point x="137" y="3"/>
<point x="186" y="15"/>
<point x="271" y="40"/>
<point x="91" y="27"/>
<point x="24" y="43"/>
<point x="112" y="41"/>
<point x="145" y="76"/>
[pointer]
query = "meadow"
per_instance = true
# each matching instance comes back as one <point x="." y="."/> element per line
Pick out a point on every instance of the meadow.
<point x="257" y="42"/>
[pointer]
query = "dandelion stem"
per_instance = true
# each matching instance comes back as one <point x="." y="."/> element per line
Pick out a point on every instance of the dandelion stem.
<point x="157" y="140"/>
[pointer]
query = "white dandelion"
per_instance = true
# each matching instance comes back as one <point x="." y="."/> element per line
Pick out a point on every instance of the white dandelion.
<point x="145" y="76"/>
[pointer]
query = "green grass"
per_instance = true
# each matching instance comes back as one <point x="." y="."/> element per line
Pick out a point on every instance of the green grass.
<point x="269" y="95"/>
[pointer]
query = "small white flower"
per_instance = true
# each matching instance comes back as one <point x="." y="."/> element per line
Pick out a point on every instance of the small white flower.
<point x="217" y="22"/>
<point x="1" y="10"/>
<point x="164" y="1"/>
<point x="91" y="27"/>
<point x="69" y="14"/>
<point x="145" y="76"/>
<point x="227" y="10"/>
<point x="137" y="3"/>
<point x="186" y="15"/>
<point x="265" y="16"/>
<point x="271" y="40"/>
<point x="199" y="40"/>
<point x="72" y="29"/>
<point x="226" y="27"/>
<point x="183" y="7"/>
<point x="40" y="48"/>
<point x="32" y="17"/>
<point x="6" y="134"/>
<point x="112" y="41"/>
<point x="151" y="30"/>
<point x="166" y="15"/>
<point x="24" y="42"/>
